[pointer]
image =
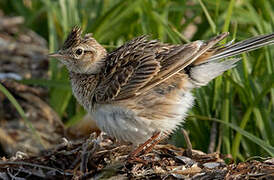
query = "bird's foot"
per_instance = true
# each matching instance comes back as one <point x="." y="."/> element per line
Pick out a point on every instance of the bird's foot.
<point x="142" y="148"/>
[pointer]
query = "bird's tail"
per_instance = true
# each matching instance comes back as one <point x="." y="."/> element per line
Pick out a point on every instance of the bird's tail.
<point x="208" y="66"/>
<point x="243" y="46"/>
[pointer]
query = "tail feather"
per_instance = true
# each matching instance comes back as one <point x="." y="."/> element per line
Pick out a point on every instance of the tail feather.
<point x="209" y="67"/>
<point x="242" y="46"/>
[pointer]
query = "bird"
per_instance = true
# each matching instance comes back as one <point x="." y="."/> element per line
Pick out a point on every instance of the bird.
<point x="143" y="89"/>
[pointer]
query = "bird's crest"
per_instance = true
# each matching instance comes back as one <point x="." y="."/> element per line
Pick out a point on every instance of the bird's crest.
<point x="74" y="38"/>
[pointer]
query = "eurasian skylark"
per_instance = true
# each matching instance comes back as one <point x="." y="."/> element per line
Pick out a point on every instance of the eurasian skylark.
<point x="143" y="88"/>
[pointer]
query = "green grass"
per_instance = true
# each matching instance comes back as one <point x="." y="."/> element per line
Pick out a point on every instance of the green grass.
<point x="21" y="113"/>
<point x="241" y="102"/>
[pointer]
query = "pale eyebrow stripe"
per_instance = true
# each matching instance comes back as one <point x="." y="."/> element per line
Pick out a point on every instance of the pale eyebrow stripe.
<point x="87" y="51"/>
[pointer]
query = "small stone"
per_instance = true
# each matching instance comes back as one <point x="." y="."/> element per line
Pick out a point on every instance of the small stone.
<point x="186" y="160"/>
<point x="211" y="165"/>
<point x="270" y="161"/>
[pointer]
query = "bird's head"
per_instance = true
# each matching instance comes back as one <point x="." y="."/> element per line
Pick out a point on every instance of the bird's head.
<point x="81" y="54"/>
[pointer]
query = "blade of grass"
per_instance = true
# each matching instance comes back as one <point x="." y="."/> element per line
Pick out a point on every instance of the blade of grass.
<point x="209" y="19"/>
<point x="64" y="14"/>
<point x="178" y="33"/>
<point x="112" y="17"/>
<point x="22" y="114"/>
<point x="225" y="112"/>
<point x="217" y="9"/>
<point x="228" y="17"/>
<point x="267" y="147"/>
<point x="60" y="97"/>
<point x="172" y="35"/>
<point x="237" y="139"/>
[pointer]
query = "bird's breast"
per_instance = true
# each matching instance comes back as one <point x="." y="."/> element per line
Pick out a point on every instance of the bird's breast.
<point x="83" y="87"/>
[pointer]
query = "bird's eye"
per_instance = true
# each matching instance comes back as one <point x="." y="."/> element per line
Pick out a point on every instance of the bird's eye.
<point x="79" y="52"/>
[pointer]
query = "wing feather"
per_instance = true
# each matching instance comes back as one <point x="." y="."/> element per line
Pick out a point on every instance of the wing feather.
<point x="127" y="69"/>
<point x="140" y="65"/>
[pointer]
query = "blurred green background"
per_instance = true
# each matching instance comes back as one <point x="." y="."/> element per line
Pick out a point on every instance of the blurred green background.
<point x="235" y="111"/>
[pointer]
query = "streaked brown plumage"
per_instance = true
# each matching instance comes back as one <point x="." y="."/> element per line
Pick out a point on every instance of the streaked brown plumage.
<point x="144" y="86"/>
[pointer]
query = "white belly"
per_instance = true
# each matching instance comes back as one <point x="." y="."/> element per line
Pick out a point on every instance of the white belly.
<point x="126" y="125"/>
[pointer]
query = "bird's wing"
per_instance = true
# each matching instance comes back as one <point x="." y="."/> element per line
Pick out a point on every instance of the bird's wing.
<point x="140" y="65"/>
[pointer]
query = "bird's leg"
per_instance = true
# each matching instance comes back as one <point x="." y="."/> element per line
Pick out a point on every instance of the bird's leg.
<point x="149" y="148"/>
<point x="134" y="153"/>
<point x="188" y="151"/>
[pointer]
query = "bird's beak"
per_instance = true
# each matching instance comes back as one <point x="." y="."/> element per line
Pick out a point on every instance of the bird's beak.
<point x="55" y="55"/>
